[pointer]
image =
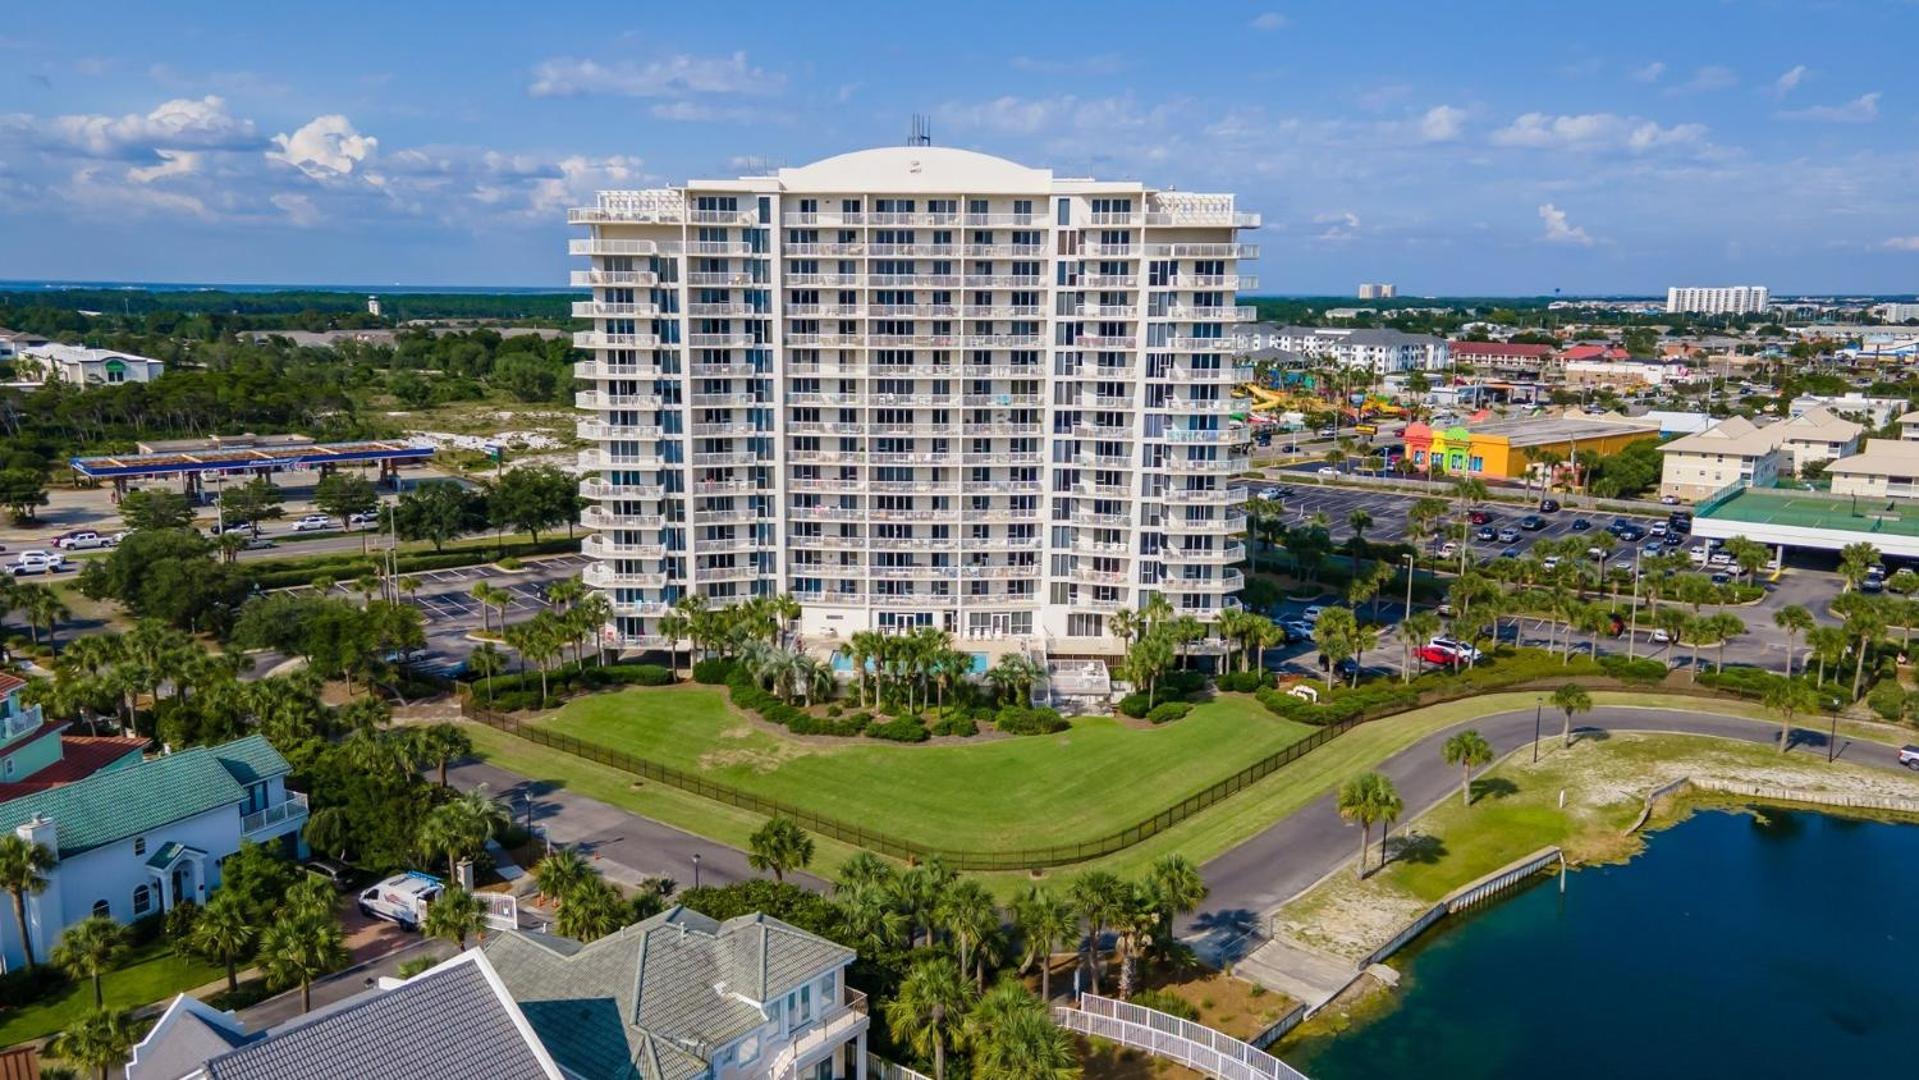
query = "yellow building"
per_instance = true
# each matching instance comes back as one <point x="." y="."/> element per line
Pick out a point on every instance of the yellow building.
<point x="1498" y="450"/>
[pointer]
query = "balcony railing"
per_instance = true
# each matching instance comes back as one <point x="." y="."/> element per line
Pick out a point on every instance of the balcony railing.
<point x="23" y="722"/>
<point x="293" y="809"/>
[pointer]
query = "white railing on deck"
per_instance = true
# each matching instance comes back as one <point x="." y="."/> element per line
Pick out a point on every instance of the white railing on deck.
<point x="1166" y="1036"/>
<point x="295" y="806"/>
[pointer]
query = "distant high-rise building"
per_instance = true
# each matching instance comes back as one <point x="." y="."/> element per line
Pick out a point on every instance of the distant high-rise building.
<point x="1377" y="290"/>
<point x="1368" y="291"/>
<point x="372" y="305"/>
<point x="912" y="387"/>
<point x="1717" y="300"/>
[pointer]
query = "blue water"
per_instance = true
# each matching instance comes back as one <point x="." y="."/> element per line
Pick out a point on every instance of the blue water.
<point x="842" y="663"/>
<point x="1781" y="946"/>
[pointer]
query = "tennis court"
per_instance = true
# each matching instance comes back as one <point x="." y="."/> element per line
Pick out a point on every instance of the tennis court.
<point x="1816" y="510"/>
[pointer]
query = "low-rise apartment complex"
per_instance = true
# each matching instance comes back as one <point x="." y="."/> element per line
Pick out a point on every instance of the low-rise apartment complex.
<point x="1733" y="451"/>
<point x="1382" y="352"/>
<point x="1886" y="468"/>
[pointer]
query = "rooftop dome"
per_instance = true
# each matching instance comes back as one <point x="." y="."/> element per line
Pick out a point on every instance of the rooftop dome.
<point x="935" y="169"/>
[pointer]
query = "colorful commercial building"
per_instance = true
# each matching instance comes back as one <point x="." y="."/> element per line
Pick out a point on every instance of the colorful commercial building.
<point x="1498" y="450"/>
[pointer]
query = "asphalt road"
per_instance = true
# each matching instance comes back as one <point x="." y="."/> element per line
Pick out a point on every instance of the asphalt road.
<point x="335" y="988"/>
<point x="626" y="847"/>
<point x="1253" y="879"/>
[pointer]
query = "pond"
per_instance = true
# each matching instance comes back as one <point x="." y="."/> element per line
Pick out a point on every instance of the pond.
<point x="1775" y="944"/>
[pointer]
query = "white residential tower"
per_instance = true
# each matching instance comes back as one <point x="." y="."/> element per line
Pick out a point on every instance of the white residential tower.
<point x="914" y="386"/>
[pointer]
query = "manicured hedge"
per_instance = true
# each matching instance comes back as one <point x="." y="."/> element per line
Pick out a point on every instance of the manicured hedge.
<point x="1135" y="706"/>
<point x="908" y="729"/>
<point x="958" y="723"/>
<point x="1640" y="670"/>
<point x="712" y="672"/>
<point x="1244" y="682"/>
<point x="1170" y="711"/>
<point x="1020" y="720"/>
<point x="566" y="678"/>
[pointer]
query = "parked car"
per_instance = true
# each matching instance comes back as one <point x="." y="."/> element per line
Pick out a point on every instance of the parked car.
<point x="1346" y="669"/>
<point x="85" y="540"/>
<point x="256" y="542"/>
<point x="335" y="874"/>
<point x="1297" y="630"/>
<point x="1652" y="551"/>
<point x="1448" y="550"/>
<point x="1283" y="491"/>
<point x="1479" y="517"/>
<point x="1550" y="562"/>
<point x="366" y="521"/>
<point x="1485" y="534"/>
<point x="1311" y="615"/>
<point x="1659" y="528"/>
<point x="312" y="523"/>
<point x="1532" y="523"/>
<point x="1509" y="536"/>
<point x="1444" y="611"/>
<point x="1433" y="654"/>
<point x="1669" y="500"/>
<point x="1510" y="553"/>
<point x="1660" y="637"/>
<point x="1909" y="756"/>
<point x="1581" y="524"/>
<point x="1549" y="506"/>
<point x="1632" y="534"/>
<point x="1457" y="648"/>
<point x="1719" y="558"/>
<point x="1698" y="554"/>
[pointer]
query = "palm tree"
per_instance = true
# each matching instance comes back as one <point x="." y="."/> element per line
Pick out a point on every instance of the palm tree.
<point x="673" y="627"/>
<point x="1016" y="673"/>
<point x="1146" y="661"/>
<point x="1414" y="631"/>
<point x="786" y="609"/>
<point x="455" y="915"/>
<point x="560" y="873"/>
<point x="869" y="919"/>
<point x="1099" y="897"/>
<point x="89" y="949"/>
<point x="950" y="667"/>
<point x="592" y="910"/>
<point x="301" y="950"/>
<point x="931" y="1000"/>
<point x="1794" y="620"/>
<point x="486" y="661"/>
<point x="1787" y="698"/>
<point x="1124" y="624"/>
<point x="99" y="1040"/>
<point x="441" y="743"/>
<point x="1012" y="1038"/>
<point x="1468" y="750"/>
<point x="43" y="608"/>
<point x="1571" y="699"/>
<point x="1045" y="923"/>
<point x="23" y="869"/>
<point x="918" y="892"/>
<point x="1866" y="629"/>
<point x="1359" y="520"/>
<point x="1359" y="801"/>
<point x="779" y="845"/>
<point x="450" y="830"/>
<point x="484" y="593"/>
<point x="1827" y="644"/>
<point x="224" y="931"/>
<point x="863" y="649"/>
<point x="969" y="916"/>
<point x="1173" y="888"/>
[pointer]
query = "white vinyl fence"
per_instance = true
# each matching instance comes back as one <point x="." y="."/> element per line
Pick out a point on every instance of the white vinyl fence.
<point x="1195" y="1046"/>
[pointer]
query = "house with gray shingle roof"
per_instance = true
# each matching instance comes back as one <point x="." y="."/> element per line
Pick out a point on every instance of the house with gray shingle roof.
<point x="681" y="996"/>
<point x="135" y="840"/>
<point x="453" y="1021"/>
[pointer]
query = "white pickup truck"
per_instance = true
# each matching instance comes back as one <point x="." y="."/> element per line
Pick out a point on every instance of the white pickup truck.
<point x="401" y="899"/>
<point x="1909" y="756"/>
<point x="37" y="562"/>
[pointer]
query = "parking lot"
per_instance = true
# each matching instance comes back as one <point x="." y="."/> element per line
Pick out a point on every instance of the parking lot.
<point x="445" y="597"/>
<point x="1389" y="511"/>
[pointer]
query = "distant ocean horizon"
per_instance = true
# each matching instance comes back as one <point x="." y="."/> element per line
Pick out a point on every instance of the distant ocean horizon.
<point x="8" y="285"/>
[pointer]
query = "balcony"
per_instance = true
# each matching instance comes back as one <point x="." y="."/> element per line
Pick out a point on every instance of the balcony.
<point x="1029" y="282"/>
<point x="596" y="399"/>
<point x="823" y="249"/>
<point x="912" y="311"/>
<point x="643" y="609"/>
<point x="837" y="341"/>
<point x="1203" y="251"/>
<point x="724" y="341"/>
<point x="1108" y="521"/>
<point x="737" y="429"/>
<point x="728" y="309"/>
<point x="1178" y="496"/>
<point x="1110" y="281"/>
<point x="1102" y="547"/>
<point x="1017" y="221"/>
<point x="912" y="341"/>
<point x="1235" y="344"/>
<point x="1087" y="603"/>
<point x="276" y="818"/>
<point x="1214" y="466"/>
<point x="735" y="515"/>
<point x="719" y="247"/>
<point x="942" y="251"/>
<point x="1203" y="435"/>
<point x="595" y="488"/>
<point x="601" y="369"/>
<point x="596" y="339"/>
<point x="1115" y="217"/>
<point x="1214" y="281"/>
<point x="738" y="400"/>
<point x="1097" y="577"/>
<point x="1226" y="523"/>
<point x="601" y="460"/>
<point x="1003" y="251"/>
<point x="1200" y="406"/>
<point x="591" y="278"/>
<point x="1096" y="341"/>
<point x="599" y="547"/>
<point x="603" y="576"/>
<point x="594" y="309"/>
<point x="799" y="280"/>
<point x="1207" y="216"/>
<point x="1231" y="581"/>
<point x="825" y="513"/>
<point x="899" y="600"/>
<point x="1213" y="314"/>
<point x="720" y="459"/>
<point x="727" y="279"/>
<point x="595" y="431"/>
<point x="596" y="246"/>
<point x="738" y="369"/>
<point x="912" y="573"/>
<point x="908" y="281"/>
<point x="1229" y="553"/>
<point x="829" y="217"/>
<point x="728" y="573"/>
<point x="723" y="487"/>
<point x="599" y="517"/>
<point x="22" y="722"/>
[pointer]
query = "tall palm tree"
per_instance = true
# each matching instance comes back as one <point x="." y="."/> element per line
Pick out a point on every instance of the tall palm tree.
<point x="786" y="609"/>
<point x="455" y="915"/>
<point x="1359" y="520"/>
<point x="301" y="950"/>
<point x="1865" y="628"/>
<point x="692" y="608"/>
<point x="592" y="910"/>
<point x="43" y="608"/>
<point x="1827" y="645"/>
<point x="863" y="649"/>
<point x="483" y="593"/>
<point x="560" y="872"/>
<point x="1099" y="897"/>
<point x="225" y="931"/>
<point x="1414" y="631"/>
<point x="1358" y="801"/>
<point x="1045" y="922"/>
<point x="441" y="743"/>
<point x="99" y="1040"/>
<point x="1012" y="1038"/>
<point x="1571" y="699"/>
<point x="486" y="661"/>
<point x="1174" y="887"/>
<point x="1124" y="624"/>
<point x="930" y="1003"/>
<point x="89" y="949"/>
<point x="1787" y="698"/>
<point x="949" y="669"/>
<point x="673" y="627"/>
<point x="23" y="870"/>
<point x="918" y="891"/>
<point x="1468" y="750"/>
<point x="970" y="918"/>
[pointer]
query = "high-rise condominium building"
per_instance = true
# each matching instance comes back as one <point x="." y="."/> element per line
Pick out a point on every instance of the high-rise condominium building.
<point x="1377" y="290"/>
<point x="911" y="387"/>
<point x="1724" y="300"/>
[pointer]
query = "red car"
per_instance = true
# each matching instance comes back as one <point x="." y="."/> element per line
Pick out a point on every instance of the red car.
<point x="1438" y="654"/>
<point x="1479" y="517"/>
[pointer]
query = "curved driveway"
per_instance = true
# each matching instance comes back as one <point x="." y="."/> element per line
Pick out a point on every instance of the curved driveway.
<point x="1287" y="858"/>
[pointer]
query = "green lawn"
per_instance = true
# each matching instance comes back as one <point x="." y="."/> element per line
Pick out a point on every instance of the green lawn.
<point x="1100" y="775"/>
<point x="151" y="974"/>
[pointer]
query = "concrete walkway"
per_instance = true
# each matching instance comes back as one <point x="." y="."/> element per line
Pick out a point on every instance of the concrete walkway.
<point x="1254" y="879"/>
<point x="625" y="847"/>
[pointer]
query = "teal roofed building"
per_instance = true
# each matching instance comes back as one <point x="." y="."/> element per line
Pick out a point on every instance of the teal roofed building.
<point x="136" y="839"/>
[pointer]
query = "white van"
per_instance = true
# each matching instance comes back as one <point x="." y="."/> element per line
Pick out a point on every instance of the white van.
<point x="401" y="899"/>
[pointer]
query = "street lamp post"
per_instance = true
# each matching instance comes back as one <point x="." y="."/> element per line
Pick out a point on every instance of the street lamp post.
<point x="1409" y="585"/>
<point x="1539" y="706"/>
<point x="696" y="869"/>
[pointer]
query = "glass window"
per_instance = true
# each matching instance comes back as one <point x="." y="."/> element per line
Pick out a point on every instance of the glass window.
<point x="139" y="845"/>
<point x="101" y="909"/>
<point x="142" y="900"/>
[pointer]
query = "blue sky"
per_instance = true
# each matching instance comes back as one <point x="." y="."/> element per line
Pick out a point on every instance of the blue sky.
<point x="1452" y="148"/>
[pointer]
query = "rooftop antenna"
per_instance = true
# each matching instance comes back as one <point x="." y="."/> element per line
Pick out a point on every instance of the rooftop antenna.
<point x="922" y="134"/>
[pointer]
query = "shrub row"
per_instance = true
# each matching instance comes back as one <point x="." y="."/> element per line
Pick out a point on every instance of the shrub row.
<point x="1020" y="720"/>
<point x="514" y="693"/>
<point x="1244" y="682"/>
<point x="748" y="695"/>
<point x="1168" y="712"/>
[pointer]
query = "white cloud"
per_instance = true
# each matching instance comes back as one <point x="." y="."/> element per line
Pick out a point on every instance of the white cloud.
<point x="173" y="163"/>
<point x="696" y="112"/>
<point x="1006" y="115"/>
<point x="179" y="124"/>
<point x="1902" y="243"/>
<point x="1340" y="226"/>
<point x="673" y="76"/>
<point x="1860" y="110"/>
<point x="325" y="148"/>
<point x="1270" y="20"/>
<point x="1708" y="79"/>
<point x="298" y="207"/>
<point x="1650" y="73"/>
<point x="1442" y="123"/>
<point x="92" y="191"/>
<point x="1595" y="131"/>
<point x="1101" y="64"/>
<point x="1787" y="83"/>
<point x="1559" y="230"/>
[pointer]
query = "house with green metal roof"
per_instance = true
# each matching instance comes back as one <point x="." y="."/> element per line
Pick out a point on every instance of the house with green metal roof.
<point x="135" y="840"/>
<point x="681" y="996"/>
